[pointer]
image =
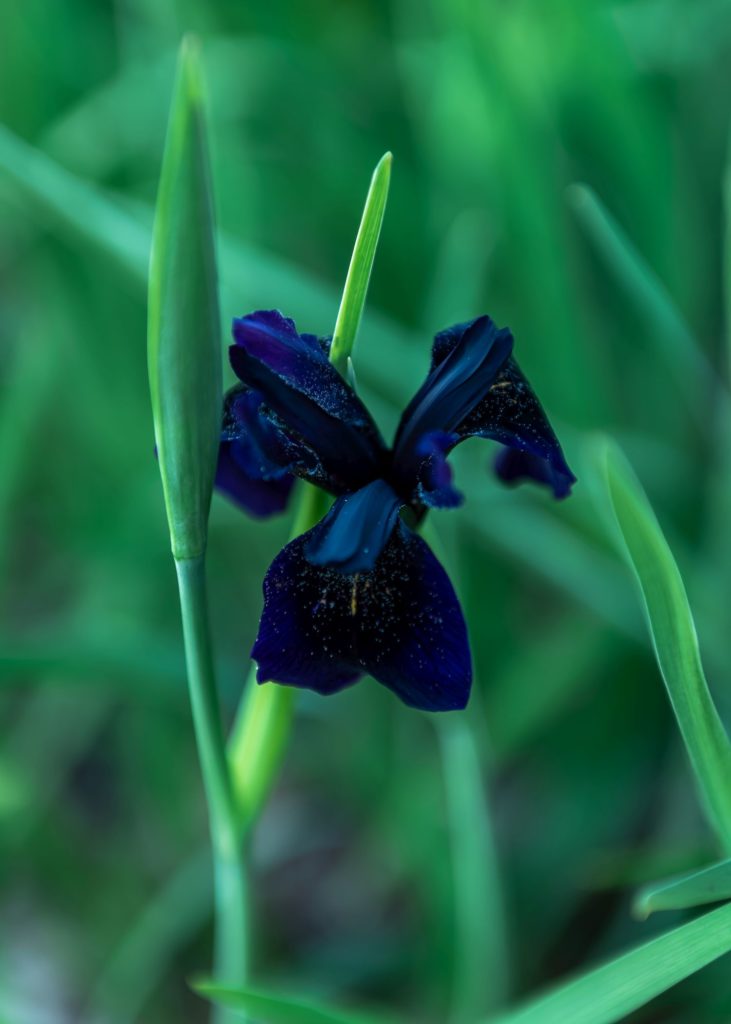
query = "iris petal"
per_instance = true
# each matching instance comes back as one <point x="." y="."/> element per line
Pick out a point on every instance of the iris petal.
<point x="435" y="488"/>
<point x="476" y="389"/>
<point x="454" y="385"/>
<point x="356" y="529"/>
<point x="400" y="623"/>
<point x="511" y="413"/>
<point x="306" y="393"/>
<point x="260" y="497"/>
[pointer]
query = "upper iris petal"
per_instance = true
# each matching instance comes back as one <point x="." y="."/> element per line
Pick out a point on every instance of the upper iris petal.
<point x="306" y="392"/>
<point x="454" y="385"/>
<point x="476" y="389"/>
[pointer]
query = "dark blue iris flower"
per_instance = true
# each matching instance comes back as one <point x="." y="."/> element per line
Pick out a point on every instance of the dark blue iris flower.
<point x="361" y="592"/>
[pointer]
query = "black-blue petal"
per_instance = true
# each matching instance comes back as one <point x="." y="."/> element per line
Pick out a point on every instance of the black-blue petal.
<point x="257" y="496"/>
<point x="476" y="389"/>
<point x="309" y="397"/>
<point x="400" y="623"/>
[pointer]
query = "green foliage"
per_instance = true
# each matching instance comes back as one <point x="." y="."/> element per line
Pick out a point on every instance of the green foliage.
<point x="673" y="633"/>
<point x="609" y="993"/>
<point x="275" y="1009"/>
<point x="692" y="889"/>
<point x="493" y="111"/>
<point x="184" y="349"/>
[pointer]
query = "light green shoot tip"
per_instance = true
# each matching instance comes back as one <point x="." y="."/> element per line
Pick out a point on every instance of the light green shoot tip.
<point x="361" y="264"/>
<point x="184" y="351"/>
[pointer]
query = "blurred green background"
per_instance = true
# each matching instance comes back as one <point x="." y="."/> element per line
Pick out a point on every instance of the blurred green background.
<point x="493" y="111"/>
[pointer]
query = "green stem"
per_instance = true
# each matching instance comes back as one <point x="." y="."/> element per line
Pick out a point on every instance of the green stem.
<point x="229" y="871"/>
<point x="482" y="974"/>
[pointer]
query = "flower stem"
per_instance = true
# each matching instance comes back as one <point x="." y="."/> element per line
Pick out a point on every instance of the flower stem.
<point x="231" y="945"/>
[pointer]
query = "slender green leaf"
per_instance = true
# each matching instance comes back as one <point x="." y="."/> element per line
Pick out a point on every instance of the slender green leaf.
<point x="672" y="629"/>
<point x="666" y="327"/>
<point x="727" y="253"/>
<point x="692" y="889"/>
<point x="158" y="930"/>
<point x="183" y="321"/>
<point x="481" y="955"/>
<point x="269" y="1008"/>
<point x="361" y="264"/>
<point x="610" y="992"/>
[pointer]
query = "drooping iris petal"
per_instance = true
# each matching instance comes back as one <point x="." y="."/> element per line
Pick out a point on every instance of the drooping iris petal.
<point x="400" y="623"/>
<point x="511" y="413"/>
<point x="435" y="488"/>
<point x="254" y="460"/>
<point x="265" y="443"/>
<point x="512" y="466"/>
<point x="356" y="529"/>
<point x="255" y="495"/>
<point x="308" y="395"/>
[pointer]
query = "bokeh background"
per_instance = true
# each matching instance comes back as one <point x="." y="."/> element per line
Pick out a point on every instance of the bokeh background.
<point x="401" y="859"/>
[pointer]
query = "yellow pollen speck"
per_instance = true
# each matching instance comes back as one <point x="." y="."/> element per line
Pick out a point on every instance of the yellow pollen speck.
<point x="354" y="596"/>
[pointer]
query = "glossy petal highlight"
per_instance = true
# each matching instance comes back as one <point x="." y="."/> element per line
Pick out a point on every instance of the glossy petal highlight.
<point x="356" y="529"/>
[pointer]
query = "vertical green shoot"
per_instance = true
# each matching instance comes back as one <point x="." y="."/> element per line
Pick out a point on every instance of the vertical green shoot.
<point x="185" y="384"/>
<point x="361" y="263"/>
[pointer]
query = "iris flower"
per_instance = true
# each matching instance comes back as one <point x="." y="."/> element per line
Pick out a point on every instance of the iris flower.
<point x="362" y="592"/>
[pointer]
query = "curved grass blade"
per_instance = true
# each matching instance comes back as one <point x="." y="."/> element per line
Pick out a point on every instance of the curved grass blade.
<point x="481" y="957"/>
<point x="672" y="629"/>
<point x="165" y="924"/>
<point x="666" y="326"/>
<point x="481" y="962"/>
<point x="269" y="1008"/>
<point x="610" y="992"/>
<point x="361" y="264"/>
<point x="692" y="889"/>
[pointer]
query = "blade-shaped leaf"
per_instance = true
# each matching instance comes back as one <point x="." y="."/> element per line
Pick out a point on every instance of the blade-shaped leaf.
<point x="270" y="1008"/>
<point x="184" y="347"/>
<point x="361" y="264"/>
<point x="610" y="992"/>
<point x="691" y="889"/>
<point x="640" y="282"/>
<point x="672" y="629"/>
